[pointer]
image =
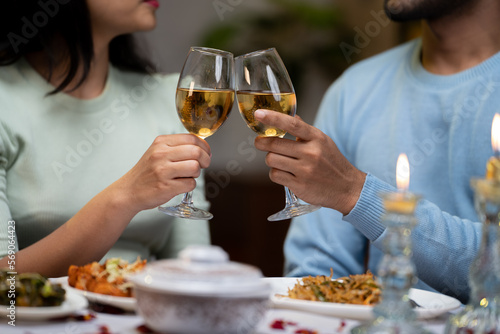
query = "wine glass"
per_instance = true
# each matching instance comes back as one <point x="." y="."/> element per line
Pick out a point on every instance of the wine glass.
<point x="204" y="98"/>
<point x="262" y="82"/>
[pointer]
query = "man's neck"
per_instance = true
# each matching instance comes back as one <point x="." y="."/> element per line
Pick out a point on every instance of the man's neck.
<point x="93" y="85"/>
<point x="461" y="40"/>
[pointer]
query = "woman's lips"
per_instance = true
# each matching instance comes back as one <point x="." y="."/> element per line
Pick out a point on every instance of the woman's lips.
<point x="153" y="3"/>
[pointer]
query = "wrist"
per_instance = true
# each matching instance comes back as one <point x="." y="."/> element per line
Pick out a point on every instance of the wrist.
<point x="119" y="201"/>
<point x="353" y="192"/>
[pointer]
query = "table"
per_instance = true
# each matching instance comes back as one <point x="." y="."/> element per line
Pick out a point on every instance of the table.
<point x="129" y="322"/>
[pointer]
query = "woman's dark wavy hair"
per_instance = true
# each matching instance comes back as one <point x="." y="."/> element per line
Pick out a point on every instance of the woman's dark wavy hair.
<point x="42" y="25"/>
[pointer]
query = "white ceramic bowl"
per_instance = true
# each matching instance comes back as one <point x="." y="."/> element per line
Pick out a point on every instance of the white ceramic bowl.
<point x="201" y="292"/>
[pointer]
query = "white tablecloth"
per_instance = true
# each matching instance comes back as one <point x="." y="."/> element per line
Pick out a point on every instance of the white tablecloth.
<point x="128" y="323"/>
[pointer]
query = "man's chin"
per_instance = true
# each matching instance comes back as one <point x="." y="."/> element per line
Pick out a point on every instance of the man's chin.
<point x="405" y="10"/>
<point x="397" y="12"/>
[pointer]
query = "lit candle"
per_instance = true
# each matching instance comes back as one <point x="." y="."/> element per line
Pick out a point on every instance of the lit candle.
<point x="493" y="165"/>
<point x="402" y="202"/>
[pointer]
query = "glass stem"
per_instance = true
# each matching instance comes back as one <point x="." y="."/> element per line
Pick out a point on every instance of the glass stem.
<point x="188" y="199"/>
<point x="484" y="270"/>
<point x="290" y="198"/>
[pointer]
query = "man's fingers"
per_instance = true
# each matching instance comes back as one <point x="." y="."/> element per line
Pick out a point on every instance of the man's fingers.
<point x="293" y="125"/>
<point x="283" y="146"/>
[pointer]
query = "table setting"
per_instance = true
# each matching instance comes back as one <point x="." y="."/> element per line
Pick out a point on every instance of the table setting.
<point x="202" y="291"/>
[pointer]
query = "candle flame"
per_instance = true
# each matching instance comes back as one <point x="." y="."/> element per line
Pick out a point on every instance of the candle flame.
<point x="495" y="134"/>
<point x="403" y="172"/>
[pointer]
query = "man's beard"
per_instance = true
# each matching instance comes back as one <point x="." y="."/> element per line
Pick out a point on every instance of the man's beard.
<point x="408" y="10"/>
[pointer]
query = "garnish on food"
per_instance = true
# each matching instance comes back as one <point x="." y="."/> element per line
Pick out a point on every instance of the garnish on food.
<point x="359" y="289"/>
<point x="109" y="278"/>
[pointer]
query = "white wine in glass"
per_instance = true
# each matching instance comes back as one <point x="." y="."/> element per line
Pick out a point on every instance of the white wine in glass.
<point x="249" y="102"/>
<point x="204" y="98"/>
<point x="262" y="82"/>
<point x="202" y="112"/>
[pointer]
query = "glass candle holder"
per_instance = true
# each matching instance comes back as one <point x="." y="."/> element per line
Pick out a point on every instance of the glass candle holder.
<point x="396" y="273"/>
<point x="482" y="313"/>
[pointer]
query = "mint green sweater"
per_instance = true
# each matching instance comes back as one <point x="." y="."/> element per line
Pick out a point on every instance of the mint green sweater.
<point x="57" y="152"/>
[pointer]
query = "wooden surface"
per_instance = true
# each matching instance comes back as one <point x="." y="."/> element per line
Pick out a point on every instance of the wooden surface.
<point x="240" y="223"/>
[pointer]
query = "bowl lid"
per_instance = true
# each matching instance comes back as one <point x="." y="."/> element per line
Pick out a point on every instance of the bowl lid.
<point x="203" y="271"/>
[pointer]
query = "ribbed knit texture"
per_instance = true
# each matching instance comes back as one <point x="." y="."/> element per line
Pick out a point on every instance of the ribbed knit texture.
<point x="379" y="108"/>
<point x="366" y="214"/>
<point x="57" y="152"/>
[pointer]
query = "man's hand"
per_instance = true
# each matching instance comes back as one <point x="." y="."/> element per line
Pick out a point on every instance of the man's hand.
<point x="312" y="166"/>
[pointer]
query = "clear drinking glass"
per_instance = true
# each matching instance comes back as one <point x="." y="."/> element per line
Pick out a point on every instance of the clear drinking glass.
<point x="204" y="98"/>
<point x="481" y="315"/>
<point x="262" y="82"/>
<point x="394" y="314"/>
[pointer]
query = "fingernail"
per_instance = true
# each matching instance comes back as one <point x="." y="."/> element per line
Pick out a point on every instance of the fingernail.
<point x="259" y="113"/>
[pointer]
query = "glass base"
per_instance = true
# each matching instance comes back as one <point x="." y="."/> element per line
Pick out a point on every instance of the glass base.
<point x="185" y="211"/>
<point x="474" y="320"/>
<point x="389" y="327"/>
<point x="293" y="210"/>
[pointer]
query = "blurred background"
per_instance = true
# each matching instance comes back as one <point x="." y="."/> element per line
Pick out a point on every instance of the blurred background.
<point x="317" y="40"/>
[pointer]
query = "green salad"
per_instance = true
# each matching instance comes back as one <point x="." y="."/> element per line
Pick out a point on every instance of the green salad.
<point x="29" y="289"/>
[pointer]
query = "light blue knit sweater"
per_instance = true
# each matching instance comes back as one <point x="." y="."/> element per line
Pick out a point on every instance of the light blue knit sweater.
<point x="379" y="108"/>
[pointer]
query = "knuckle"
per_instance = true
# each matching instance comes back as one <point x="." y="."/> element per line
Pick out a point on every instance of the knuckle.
<point x="193" y="167"/>
<point x="294" y="123"/>
<point x="322" y="139"/>
<point x="158" y="172"/>
<point x="274" y="175"/>
<point x="307" y="170"/>
<point x="190" y="184"/>
<point x="197" y="152"/>
<point x="269" y="159"/>
<point x="191" y="139"/>
<point x="158" y="140"/>
<point x="205" y="162"/>
<point x="315" y="152"/>
<point x="260" y="143"/>
<point x="197" y="173"/>
<point x="156" y="155"/>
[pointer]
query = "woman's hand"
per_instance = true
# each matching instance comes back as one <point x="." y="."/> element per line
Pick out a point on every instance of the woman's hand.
<point x="312" y="166"/>
<point x="168" y="168"/>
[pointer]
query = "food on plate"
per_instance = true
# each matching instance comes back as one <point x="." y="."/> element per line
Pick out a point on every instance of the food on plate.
<point x="109" y="278"/>
<point x="29" y="289"/>
<point x="356" y="289"/>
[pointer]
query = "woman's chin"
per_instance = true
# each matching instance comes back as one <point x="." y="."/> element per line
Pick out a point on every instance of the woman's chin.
<point x="146" y="25"/>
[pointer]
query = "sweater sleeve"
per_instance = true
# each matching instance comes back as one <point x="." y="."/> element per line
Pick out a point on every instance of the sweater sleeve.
<point x="444" y="246"/>
<point x="8" y="147"/>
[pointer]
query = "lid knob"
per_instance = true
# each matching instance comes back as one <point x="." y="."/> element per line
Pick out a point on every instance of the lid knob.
<point x="203" y="254"/>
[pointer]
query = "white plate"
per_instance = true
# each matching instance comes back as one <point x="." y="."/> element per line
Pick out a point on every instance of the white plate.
<point x="432" y="304"/>
<point x="73" y="302"/>
<point x="125" y="303"/>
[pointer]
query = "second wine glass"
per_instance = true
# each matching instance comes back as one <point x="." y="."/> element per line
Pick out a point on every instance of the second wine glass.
<point x="262" y="82"/>
<point x="204" y="98"/>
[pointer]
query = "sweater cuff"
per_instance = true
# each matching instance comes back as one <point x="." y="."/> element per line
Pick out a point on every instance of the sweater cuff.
<point x="365" y="216"/>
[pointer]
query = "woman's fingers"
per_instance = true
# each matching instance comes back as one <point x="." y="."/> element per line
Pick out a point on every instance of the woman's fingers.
<point x="183" y="139"/>
<point x="181" y="169"/>
<point x="183" y="153"/>
<point x="168" y="168"/>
